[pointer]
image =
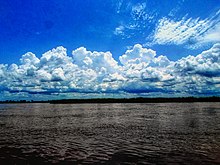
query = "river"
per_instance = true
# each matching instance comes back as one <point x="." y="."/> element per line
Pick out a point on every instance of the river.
<point x="160" y="133"/>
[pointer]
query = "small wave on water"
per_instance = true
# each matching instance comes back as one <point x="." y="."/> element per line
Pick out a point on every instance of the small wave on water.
<point x="170" y="133"/>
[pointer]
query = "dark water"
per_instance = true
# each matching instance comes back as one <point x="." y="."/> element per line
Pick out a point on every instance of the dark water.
<point x="170" y="133"/>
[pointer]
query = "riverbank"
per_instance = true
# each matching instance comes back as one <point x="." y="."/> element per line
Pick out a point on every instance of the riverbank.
<point x="121" y="100"/>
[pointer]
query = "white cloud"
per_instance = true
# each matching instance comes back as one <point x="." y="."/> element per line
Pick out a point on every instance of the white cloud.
<point x="213" y="35"/>
<point x="58" y="74"/>
<point x="137" y="55"/>
<point x="3" y="69"/>
<point x="141" y="73"/>
<point x="192" y="32"/>
<point x="206" y="64"/>
<point x="119" y="30"/>
<point x="101" y="62"/>
<point x="43" y="75"/>
<point x="30" y="59"/>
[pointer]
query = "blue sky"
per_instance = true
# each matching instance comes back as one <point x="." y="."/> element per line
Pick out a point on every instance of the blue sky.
<point x="141" y="29"/>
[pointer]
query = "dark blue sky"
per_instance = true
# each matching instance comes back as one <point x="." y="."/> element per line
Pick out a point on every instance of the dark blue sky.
<point x="40" y="25"/>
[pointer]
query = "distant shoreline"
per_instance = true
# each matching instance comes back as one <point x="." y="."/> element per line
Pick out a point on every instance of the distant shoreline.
<point x="121" y="100"/>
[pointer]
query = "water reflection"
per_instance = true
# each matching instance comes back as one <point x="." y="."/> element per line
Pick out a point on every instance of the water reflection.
<point x="110" y="133"/>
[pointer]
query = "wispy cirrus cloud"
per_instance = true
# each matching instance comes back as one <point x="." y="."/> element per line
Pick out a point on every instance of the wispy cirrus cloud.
<point x="188" y="31"/>
<point x="119" y="30"/>
<point x="138" y="19"/>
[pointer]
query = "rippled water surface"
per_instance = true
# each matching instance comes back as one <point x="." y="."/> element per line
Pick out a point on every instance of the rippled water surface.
<point x="162" y="133"/>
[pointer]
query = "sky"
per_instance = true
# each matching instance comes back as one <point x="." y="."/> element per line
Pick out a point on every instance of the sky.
<point x="116" y="48"/>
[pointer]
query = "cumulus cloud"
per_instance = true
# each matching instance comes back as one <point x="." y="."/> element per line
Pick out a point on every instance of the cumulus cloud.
<point x="137" y="55"/>
<point x="190" y="31"/>
<point x="94" y="60"/>
<point x="141" y="72"/>
<point x="206" y="64"/>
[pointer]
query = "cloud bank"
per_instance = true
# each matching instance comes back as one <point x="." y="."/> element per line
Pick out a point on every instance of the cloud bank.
<point x="139" y="72"/>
